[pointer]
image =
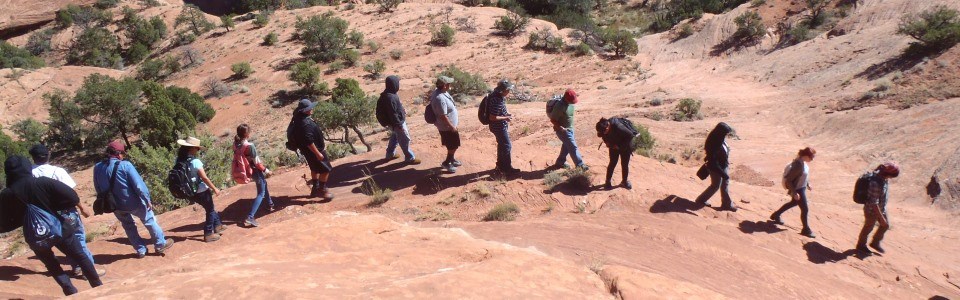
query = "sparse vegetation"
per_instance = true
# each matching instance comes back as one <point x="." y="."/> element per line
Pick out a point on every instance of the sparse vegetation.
<point x="348" y="109"/>
<point x="241" y="69"/>
<point x="465" y="83"/>
<point x="217" y="88"/>
<point x="227" y="22"/>
<point x="29" y="130"/>
<point x="512" y="24"/>
<point x="688" y="110"/>
<point x="749" y="26"/>
<point x="396" y="54"/>
<point x="673" y="12"/>
<point x="324" y="37"/>
<point x="96" y="47"/>
<point x="83" y="16"/>
<point x="576" y="178"/>
<point x="582" y="49"/>
<point x="644" y="142"/>
<point x="757" y="3"/>
<point x="39" y="42"/>
<point x="546" y="41"/>
<point x="443" y="35"/>
<point x="503" y="212"/>
<point x="270" y="39"/>
<point x="193" y="19"/>
<point x="307" y="75"/>
<point x="685" y="31"/>
<point x="935" y="30"/>
<point x="434" y="215"/>
<point x="373" y="46"/>
<point x="13" y="57"/>
<point x="262" y="19"/>
<point x="388" y="5"/>
<point x="620" y="42"/>
<point x="375" y="69"/>
<point x="193" y="56"/>
<point x="355" y="38"/>
<point x="378" y="195"/>
<point x="350" y="57"/>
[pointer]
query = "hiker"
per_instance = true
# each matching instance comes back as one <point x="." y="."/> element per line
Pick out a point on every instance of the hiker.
<point x="561" y="116"/>
<point x="132" y="198"/>
<point x="875" y="206"/>
<point x="617" y="134"/>
<point x="306" y="136"/>
<point x="717" y="162"/>
<point x="445" y="110"/>
<point x="499" y="120"/>
<point x="42" y="168"/>
<point x="390" y="114"/>
<point x="212" y="227"/>
<point x="37" y="205"/>
<point x="796" y="180"/>
<point x="244" y="150"/>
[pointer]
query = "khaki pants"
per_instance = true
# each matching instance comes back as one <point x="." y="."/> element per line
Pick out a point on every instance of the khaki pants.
<point x="870" y="220"/>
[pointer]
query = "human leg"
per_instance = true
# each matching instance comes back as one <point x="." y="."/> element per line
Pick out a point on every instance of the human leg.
<point x="403" y="138"/>
<point x="72" y="249"/>
<point x="726" y="201"/>
<point x="868" y="222"/>
<point x="130" y="228"/>
<point x="573" y="150"/>
<point x="614" y="157"/>
<point x="392" y="143"/>
<point x="715" y="181"/>
<point x="149" y="220"/>
<point x="804" y="211"/>
<point x="564" y="148"/>
<point x="625" y="168"/>
<point x="261" y="182"/>
<point x="49" y="260"/>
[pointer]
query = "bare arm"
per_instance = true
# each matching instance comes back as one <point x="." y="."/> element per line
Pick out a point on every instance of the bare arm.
<point x="316" y="152"/>
<point x="203" y="176"/>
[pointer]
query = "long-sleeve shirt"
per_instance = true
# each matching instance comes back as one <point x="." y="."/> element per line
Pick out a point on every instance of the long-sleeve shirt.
<point x="129" y="190"/>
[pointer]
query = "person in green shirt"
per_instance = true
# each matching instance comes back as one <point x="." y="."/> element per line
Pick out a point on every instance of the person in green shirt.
<point x="562" y="118"/>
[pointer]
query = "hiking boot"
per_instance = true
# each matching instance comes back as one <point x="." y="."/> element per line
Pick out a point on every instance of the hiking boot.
<point x="325" y="194"/>
<point x="560" y="166"/>
<point x="271" y="207"/>
<point x="141" y="254"/>
<point x="876" y="246"/>
<point x="250" y="222"/>
<point x="456" y="163"/>
<point x="166" y="245"/>
<point x="315" y="190"/>
<point x="78" y="272"/>
<point x="211" y="237"/>
<point x="392" y="157"/>
<point x="730" y="208"/>
<point x="862" y="249"/>
<point x="415" y="161"/>
<point x="626" y="185"/>
<point x="450" y="168"/>
<point x="776" y="219"/>
<point x="220" y="228"/>
<point x="583" y="167"/>
<point x="608" y="186"/>
<point x="808" y="233"/>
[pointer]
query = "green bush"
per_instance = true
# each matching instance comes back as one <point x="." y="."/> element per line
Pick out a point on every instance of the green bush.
<point x="818" y="12"/>
<point x="378" y="195"/>
<point x="685" y="31"/>
<point x="95" y="47"/>
<point x="465" y="83"/>
<point x="546" y="41"/>
<point x="443" y="36"/>
<point x="112" y="105"/>
<point x="137" y="53"/>
<point x="644" y="141"/>
<point x="503" y="212"/>
<point x="750" y="26"/>
<point x="29" y="130"/>
<point x="39" y="42"/>
<point x="227" y="22"/>
<point x="396" y="54"/>
<point x="582" y="49"/>
<point x="375" y="69"/>
<point x="241" y="69"/>
<point x="335" y="67"/>
<point x="673" y="12"/>
<point x="351" y="57"/>
<point x="306" y="74"/>
<point x="172" y="64"/>
<point x="576" y="178"/>
<point x="65" y="126"/>
<point x="142" y="31"/>
<point x="688" y="110"/>
<point x="324" y="37"/>
<point x="757" y="3"/>
<point x="152" y="69"/>
<point x="511" y="24"/>
<point x="83" y="16"/>
<point x="13" y="57"/>
<point x="262" y="19"/>
<point x="194" y="20"/>
<point x="621" y="42"/>
<point x="355" y="38"/>
<point x="935" y="30"/>
<point x="9" y="147"/>
<point x="185" y="38"/>
<point x="106" y="4"/>
<point x="388" y="5"/>
<point x="153" y="163"/>
<point x="270" y="39"/>
<point x="373" y="46"/>
<point x="797" y="34"/>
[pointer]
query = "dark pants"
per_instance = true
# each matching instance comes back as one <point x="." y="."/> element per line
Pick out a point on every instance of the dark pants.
<point x="70" y="247"/>
<point x="205" y="199"/>
<point x="622" y="154"/>
<point x="71" y="218"/>
<point x="804" y="209"/>
<point x="717" y="181"/>
<point x="871" y="219"/>
<point x="503" y="146"/>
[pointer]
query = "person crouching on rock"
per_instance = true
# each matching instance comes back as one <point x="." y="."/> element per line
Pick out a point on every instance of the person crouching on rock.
<point x="212" y="227"/>
<point x="717" y="162"/>
<point x="617" y="134"/>
<point x="796" y="180"/>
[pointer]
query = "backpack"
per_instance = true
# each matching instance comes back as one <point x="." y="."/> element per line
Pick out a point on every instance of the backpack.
<point x="240" y="169"/>
<point x="861" y="190"/>
<point x="293" y="142"/>
<point x="552" y="103"/>
<point x="381" y="113"/>
<point x="429" y="115"/>
<point x="41" y="229"/>
<point x="786" y="172"/>
<point x="482" y="112"/>
<point x="179" y="180"/>
<point x="105" y="202"/>
<point x="626" y="125"/>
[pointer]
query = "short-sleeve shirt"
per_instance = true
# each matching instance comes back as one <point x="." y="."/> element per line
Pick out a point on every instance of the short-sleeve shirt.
<point x="197" y="166"/>
<point x="56" y="173"/>
<point x="497" y="106"/>
<point x="442" y="104"/>
<point x="562" y="113"/>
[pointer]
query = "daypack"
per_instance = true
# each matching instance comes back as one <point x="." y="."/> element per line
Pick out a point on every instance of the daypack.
<point x="552" y="103"/>
<point x="240" y="169"/>
<point x="293" y="142"/>
<point x="626" y="125"/>
<point x="861" y="190"/>
<point x="41" y="229"/>
<point x="428" y="115"/>
<point x="482" y="112"/>
<point x="381" y="113"/>
<point x="179" y="180"/>
<point x="786" y="173"/>
<point x="105" y="202"/>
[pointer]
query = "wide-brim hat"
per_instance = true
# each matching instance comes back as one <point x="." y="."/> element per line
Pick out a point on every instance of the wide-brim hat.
<point x="190" y="142"/>
<point x="504" y="85"/>
<point x="305" y="105"/>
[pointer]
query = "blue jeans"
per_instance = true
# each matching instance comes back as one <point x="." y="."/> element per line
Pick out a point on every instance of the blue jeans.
<point x="149" y="221"/>
<point x="503" y="146"/>
<point x="205" y="199"/>
<point x="262" y="192"/>
<point x="401" y="136"/>
<point x="72" y="218"/>
<point x="569" y="147"/>
<point x="70" y="247"/>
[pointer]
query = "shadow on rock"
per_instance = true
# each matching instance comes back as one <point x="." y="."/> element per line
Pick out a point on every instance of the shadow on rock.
<point x="819" y="254"/>
<point x="11" y="273"/>
<point x="752" y="227"/>
<point x="673" y="204"/>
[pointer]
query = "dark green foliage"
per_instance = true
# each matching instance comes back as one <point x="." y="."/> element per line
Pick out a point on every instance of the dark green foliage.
<point x="621" y="42"/>
<point x="749" y="26"/>
<point x="145" y="32"/>
<point x="9" y="147"/>
<point x="443" y="36"/>
<point x="388" y="5"/>
<point x="172" y="64"/>
<point x="351" y="58"/>
<point x="511" y="24"/>
<point x="396" y="54"/>
<point x="241" y="69"/>
<point x="688" y="110"/>
<point x="192" y="102"/>
<point x="324" y="37"/>
<point x="29" y="130"/>
<point x="643" y="142"/>
<point x="503" y="212"/>
<point x="563" y="13"/>
<point x="465" y="83"/>
<point x="818" y="12"/>
<point x="375" y="69"/>
<point x="307" y="75"/>
<point x="685" y="31"/>
<point x="111" y="105"/>
<point x="152" y="69"/>
<point x="355" y="38"/>
<point x="13" y="57"/>
<point x="935" y="30"/>
<point x="86" y="16"/>
<point x="193" y="19"/>
<point x="137" y="53"/>
<point x="262" y="19"/>
<point x="797" y="34"/>
<point x="373" y="46"/>
<point x="153" y="163"/>
<point x="227" y="22"/>
<point x="96" y="47"/>
<point x="171" y="112"/>
<point x="270" y="39"/>
<point x="106" y="4"/>
<point x="348" y="109"/>
<point x="672" y="12"/>
<point x="39" y="42"/>
<point x="546" y="41"/>
<point x="65" y="129"/>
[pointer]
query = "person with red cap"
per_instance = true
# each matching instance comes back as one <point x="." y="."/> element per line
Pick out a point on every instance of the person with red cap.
<point x="132" y="198"/>
<point x="561" y="116"/>
<point x="875" y="207"/>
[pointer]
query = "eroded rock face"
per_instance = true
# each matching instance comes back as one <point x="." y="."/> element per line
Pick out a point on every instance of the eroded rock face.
<point x="20" y="16"/>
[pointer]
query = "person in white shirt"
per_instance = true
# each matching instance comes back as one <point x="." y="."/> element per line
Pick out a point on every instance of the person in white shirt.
<point x="796" y="180"/>
<point x="42" y="168"/>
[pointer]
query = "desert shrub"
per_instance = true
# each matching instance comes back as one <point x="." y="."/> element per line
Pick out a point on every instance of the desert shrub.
<point x="137" y="53"/>
<point x="13" y="57"/>
<point x="153" y="162"/>
<point x="111" y="105"/>
<point x="29" y="130"/>
<point x="106" y="4"/>
<point x="270" y="39"/>
<point x="351" y="57"/>
<point x="396" y="54"/>
<point x="193" y="19"/>
<point x="355" y="38"/>
<point x="818" y="12"/>
<point x="217" y="88"/>
<point x="378" y="195"/>
<point x="83" y="16"/>
<point x="184" y="38"/>
<point x="227" y="22"/>
<point x="373" y="46"/>
<point x="142" y="31"/>
<point x="39" y="42"/>
<point x="688" y="110"/>
<point x="576" y="178"/>
<point x="656" y="102"/>
<point x="65" y="125"/>
<point x="324" y="37"/>
<point x="465" y="83"/>
<point x="335" y="67"/>
<point x="95" y="47"/>
<point x="644" y="141"/>
<point x="749" y="26"/>
<point x="262" y="19"/>
<point x="935" y="30"/>
<point x="797" y="34"/>
<point x="503" y="212"/>
<point x="443" y="35"/>
<point x="241" y="69"/>
<point x="349" y="109"/>
<point x="152" y="69"/>
<point x="553" y="179"/>
<point x="619" y="41"/>
<point x="388" y="5"/>
<point x="582" y="49"/>
<point x="162" y="120"/>
<point x="685" y="31"/>
<point x="172" y="64"/>
<point x="671" y="13"/>
<point x="546" y="41"/>
<point x="193" y="56"/>
<point x="375" y="69"/>
<point x="757" y="3"/>
<point x="307" y="75"/>
<point x="512" y="23"/>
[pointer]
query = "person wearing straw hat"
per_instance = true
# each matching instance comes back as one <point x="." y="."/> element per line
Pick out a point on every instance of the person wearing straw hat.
<point x="189" y="149"/>
<point x="308" y="138"/>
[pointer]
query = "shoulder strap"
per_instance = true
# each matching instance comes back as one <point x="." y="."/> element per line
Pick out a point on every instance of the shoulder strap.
<point x="113" y="178"/>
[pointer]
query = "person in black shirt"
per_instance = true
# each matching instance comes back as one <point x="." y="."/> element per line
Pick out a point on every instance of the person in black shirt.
<point x="52" y="196"/>
<point x="310" y="143"/>
<point x="717" y="163"/>
<point x="618" y="139"/>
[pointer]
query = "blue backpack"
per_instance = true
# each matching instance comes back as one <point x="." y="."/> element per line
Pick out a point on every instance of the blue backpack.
<point x="41" y="229"/>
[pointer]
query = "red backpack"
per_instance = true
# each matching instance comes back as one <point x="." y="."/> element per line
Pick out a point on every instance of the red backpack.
<point x="241" y="170"/>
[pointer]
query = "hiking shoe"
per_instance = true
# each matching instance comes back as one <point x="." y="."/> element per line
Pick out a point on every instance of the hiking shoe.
<point x="456" y="163"/>
<point x="450" y="168"/>
<point x="560" y="166"/>
<point x="808" y="233"/>
<point x="415" y="161"/>
<point x="271" y="207"/>
<point x="626" y="185"/>
<point x="729" y="208"/>
<point x="864" y="250"/>
<point x="776" y="220"/>
<point x="166" y="245"/>
<point x="220" y="228"/>
<point x="211" y="237"/>
<point x="141" y="254"/>
<point x="876" y="246"/>
<point x="608" y="186"/>
<point x="583" y="167"/>
<point x="392" y="157"/>
<point x="250" y="222"/>
<point x="77" y="272"/>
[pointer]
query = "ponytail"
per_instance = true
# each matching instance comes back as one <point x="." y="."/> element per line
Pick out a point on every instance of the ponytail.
<point x="242" y="132"/>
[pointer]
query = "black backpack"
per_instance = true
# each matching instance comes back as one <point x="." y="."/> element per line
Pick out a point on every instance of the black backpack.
<point x="861" y="191"/>
<point x="381" y="112"/>
<point x="626" y="125"/>
<point x="105" y="202"/>
<point x="180" y="180"/>
<point x="428" y="115"/>
<point x="292" y="140"/>
<point x="482" y="112"/>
